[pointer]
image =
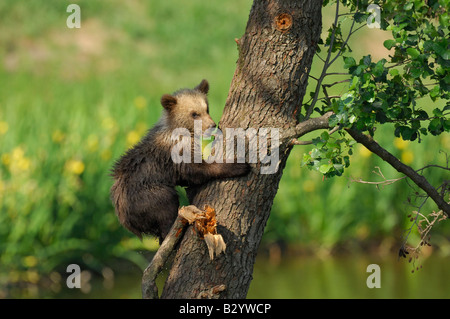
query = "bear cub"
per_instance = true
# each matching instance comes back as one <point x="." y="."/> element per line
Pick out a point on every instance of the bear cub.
<point x="145" y="177"/>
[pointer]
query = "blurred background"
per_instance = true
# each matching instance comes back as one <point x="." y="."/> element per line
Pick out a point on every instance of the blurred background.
<point x="73" y="100"/>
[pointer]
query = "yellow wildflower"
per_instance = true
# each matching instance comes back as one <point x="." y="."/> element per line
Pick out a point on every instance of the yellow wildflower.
<point x="32" y="276"/>
<point x="140" y="102"/>
<point x="3" y="127"/>
<point x="108" y="123"/>
<point x="309" y="186"/>
<point x="30" y="261"/>
<point x="407" y="157"/>
<point x="364" y="152"/>
<point x="6" y="159"/>
<point x="92" y="143"/>
<point x="17" y="153"/>
<point x="400" y="144"/>
<point x="17" y="160"/>
<point x="58" y="136"/>
<point x="23" y="164"/>
<point x="106" y="154"/>
<point x="75" y="167"/>
<point x="132" y="138"/>
<point x="445" y="140"/>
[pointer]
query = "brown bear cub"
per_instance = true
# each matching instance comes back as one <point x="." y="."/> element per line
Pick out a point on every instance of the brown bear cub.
<point x="145" y="177"/>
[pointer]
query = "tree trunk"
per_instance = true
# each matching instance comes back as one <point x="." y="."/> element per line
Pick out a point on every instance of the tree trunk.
<point x="275" y="56"/>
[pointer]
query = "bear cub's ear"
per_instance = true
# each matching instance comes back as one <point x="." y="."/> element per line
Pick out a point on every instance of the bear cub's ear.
<point x="168" y="101"/>
<point x="203" y="87"/>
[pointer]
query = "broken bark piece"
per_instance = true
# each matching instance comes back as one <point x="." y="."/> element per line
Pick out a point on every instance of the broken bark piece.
<point x="205" y="225"/>
<point x="191" y="213"/>
<point x="215" y="244"/>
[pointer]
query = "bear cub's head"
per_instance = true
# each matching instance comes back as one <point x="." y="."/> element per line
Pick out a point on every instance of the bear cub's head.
<point x="185" y="106"/>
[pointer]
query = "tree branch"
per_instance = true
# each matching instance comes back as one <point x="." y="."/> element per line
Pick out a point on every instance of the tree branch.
<point x="309" y="125"/>
<point x="322" y="122"/>
<point x="149" y="288"/>
<point x="296" y="142"/>
<point x="418" y="179"/>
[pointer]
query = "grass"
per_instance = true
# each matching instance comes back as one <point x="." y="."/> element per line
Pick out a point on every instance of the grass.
<point x="73" y="100"/>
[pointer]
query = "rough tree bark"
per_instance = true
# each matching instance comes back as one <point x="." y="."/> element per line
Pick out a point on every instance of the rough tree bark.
<point x="275" y="56"/>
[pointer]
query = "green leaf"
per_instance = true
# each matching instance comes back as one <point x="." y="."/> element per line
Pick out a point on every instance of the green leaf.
<point x="378" y="69"/>
<point x="347" y="161"/>
<point x="349" y="62"/>
<point x="347" y="98"/>
<point x="325" y="168"/>
<point x="325" y="136"/>
<point x="416" y="72"/>
<point x="354" y="83"/>
<point x="447" y="125"/>
<point x="408" y="6"/>
<point x="435" y="126"/>
<point x="388" y="44"/>
<point x="339" y="169"/>
<point x="316" y="153"/>
<point x="393" y="72"/>
<point x="333" y="120"/>
<point x="443" y="19"/>
<point x="441" y="49"/>
<point x="367" y="60"/>
<point x="437" y="112"/>
<point x="413" y="53"/>
<point x="318" y="142"/>
<point x="435" y="91"/>
<point x="446" y="55"/>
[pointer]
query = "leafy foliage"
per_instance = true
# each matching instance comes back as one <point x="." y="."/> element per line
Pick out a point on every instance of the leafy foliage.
<point x="386" y="91"/>
<point x="330" y="156"/>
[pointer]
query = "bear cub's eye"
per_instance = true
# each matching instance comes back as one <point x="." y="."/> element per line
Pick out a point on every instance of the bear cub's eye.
<point x="195" y="115"/>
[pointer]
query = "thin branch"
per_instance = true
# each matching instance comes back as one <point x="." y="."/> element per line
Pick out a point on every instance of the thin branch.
<point x="419" y="180"/>
<point x="327" y="62"/>
<point x="297" y="142"/>
<point x="329" y="97"/>
<point x="348" y="37"/>
<point x="403" y="246"/>
<point x="357" y="29"/>
<point x="317" y="54"/>
<point x="433" y="165"/>
<point x="382" y="183"/>
<point x="334" y="83"/>
<point x="336" y="73"/>
<point x="386" y="181"/>
<point x="325" y="66"/>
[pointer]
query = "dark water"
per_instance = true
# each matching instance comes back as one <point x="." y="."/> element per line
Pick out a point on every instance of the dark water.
<point x="301" y="277"/>
<point x="346" y="277"/>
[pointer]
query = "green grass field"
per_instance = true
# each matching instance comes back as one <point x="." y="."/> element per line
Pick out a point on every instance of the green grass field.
<point x="73" y="100"/>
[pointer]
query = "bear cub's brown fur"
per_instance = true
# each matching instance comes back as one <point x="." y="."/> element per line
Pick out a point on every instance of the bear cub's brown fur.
<point x="145" y="177"/>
